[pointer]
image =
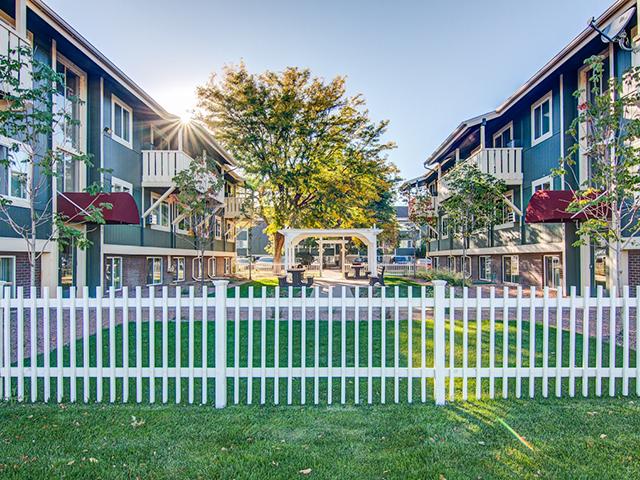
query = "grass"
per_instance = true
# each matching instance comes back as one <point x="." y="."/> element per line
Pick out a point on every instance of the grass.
<point x="529" y="438"/>
<point x="567" y="438"/>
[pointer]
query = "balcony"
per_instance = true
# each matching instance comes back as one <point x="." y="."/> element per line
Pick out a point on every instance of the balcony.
<point x="10" y="41"/>
<point x="503" y="163"/>
<point x="233" y="207"/>
<point x="160" y="166"/>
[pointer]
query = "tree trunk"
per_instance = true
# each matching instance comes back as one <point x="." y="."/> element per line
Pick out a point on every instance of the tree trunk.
<point x="278" y="243"/>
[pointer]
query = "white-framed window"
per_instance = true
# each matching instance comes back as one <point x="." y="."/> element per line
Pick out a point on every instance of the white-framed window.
<point x="227" y="265"/>
<point x="503" y="138"/>
<point x="544" y="183"/>
<point x="484" y="268"/>
<point x="154" y="270"/>
<point x="121" y="122"/>
<point x="184" y="224"/>
<point x="196" y="268"/>
<point x="180" y="269"/>
<point x="211" y="267"/>
<point x="119" y="185"/>
<point x="113" y="272"/>
<point x="8" y="272"/>
<point x="14" y="177"/>
<point x="552" y="271"/>
<point x="451" y="263"/>
<point x="218" y="228"/>
<point x="510" y="269"/>
<point x="444" y="227"/>
<point x="71" y="99"/>
<point x="507" y="215"/>
<point x="542" y="119"/>
<point x="162" y="213"/>
<point x="229" y="233"/>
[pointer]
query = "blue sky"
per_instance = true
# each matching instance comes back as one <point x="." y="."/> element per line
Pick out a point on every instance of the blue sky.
<point x="424" y="65"/>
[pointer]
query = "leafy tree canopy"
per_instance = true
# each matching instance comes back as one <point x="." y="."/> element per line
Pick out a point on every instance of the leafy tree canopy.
<point x="315" y="157"/>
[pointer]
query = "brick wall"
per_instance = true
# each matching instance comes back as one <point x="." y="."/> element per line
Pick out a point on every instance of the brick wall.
<point x="23" y="271"/>
<point x="634" y="268"/>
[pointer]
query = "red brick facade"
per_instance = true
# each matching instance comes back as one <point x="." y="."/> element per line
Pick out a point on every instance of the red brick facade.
<point x="634" y="268"/>
<point x="23" y="270"/>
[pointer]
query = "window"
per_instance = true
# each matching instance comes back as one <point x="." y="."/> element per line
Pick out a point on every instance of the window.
<point x="196" y="268"/>
<point x="154" y="270"/>
<point x="69" y="173"/>
<point x="8" y="273"/>
<point x="113" y="272"/>
<point x="451" y="264"/>
<point x="504" y="137"/>
<point x="118" y="185"/>
<point x="435" y="263"/>
<point x="507" y="215"/>
<point x="227" y="265"/>
<point x="484" y="268"/>
<point x="184" y="224"/>
<point x="541" y="119"/>
<point x="229" y="233"/>
<point x="510" y="269"/>
<point x="212" y="266"/>
<point x="69" y="100"/>
<point x="218" y="228"/>
<point x="444" y="227"/>
<point x="544" y="183"/>
<point x="162" y="213"/>
<point x="552" y="271"/>
<point x="14" y="176"/>
<point x="121" y="121"/>
<point x="180" y="269"/>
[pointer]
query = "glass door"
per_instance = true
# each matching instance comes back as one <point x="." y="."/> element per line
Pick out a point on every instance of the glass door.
<point x="67" y="267"/>
<point x="552" y="271"/>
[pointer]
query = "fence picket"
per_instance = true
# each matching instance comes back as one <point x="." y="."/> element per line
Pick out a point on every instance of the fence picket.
<point x="452" y="328"/>
<point x="250" y="349"/>
<point x="85" y="344"/>
<point x="263" y="347"/>
<point x="356" y="348"/>
<point x="383" y="347"/>
<point x="599" y="340"/>
<point x="59" y="344"/>
<point x="586" y="318"/>
<point x="572" y="343"/>
<point x="505" y="342"/>
<point x="165" y="345"/>
<point x="396" y="345"/>
<point x="303" y="348"/>
<point x="478" y="343"/>
<point x="205" y="344"/>
<point x="236" y="347"/>
<point x="625" y="341"/>
<point x="545" y="343"/>
<point x="330" y="349"/>
<point x="138" y="344"/>
<point x="191" y="345"/>
<point x="369" y="345"/>
<point x="612" y="342"/>
<point x="33" y="342"/>
<point x="519" y="342"/>
<point x="20" y="344"/>
<point x="532" y="341"/>
<point x="73" y="378"/>
<point x="178" y="344"/>
<point x="152" y="345"/>
<point x="409" y="344"/>
<point x="343" y="347"/>
<point x="423" y="343"/>
<point x="290" y="347"/>
<point x="492" y="342"/>
<point x="559" y="333"/>
<point x="465" y="342"/>
<point x="316" y="349"/>
<point x="125" y="344"/>
<point x="6" y="321"/>
<point x="46" y="344"/>
<point x="276" y="353"/>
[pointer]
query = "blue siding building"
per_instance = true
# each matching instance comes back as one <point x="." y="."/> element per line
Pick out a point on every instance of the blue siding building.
<point x="136" y="147"/>
<point x="521" y="141"/>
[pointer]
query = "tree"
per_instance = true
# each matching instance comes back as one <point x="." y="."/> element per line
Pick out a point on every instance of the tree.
<point x="606" y="133"/>
<point x="198" y="198"/>
<point x="30" y="117"/>
<point x="475" y="203"/>
<point x="316" y="158"/>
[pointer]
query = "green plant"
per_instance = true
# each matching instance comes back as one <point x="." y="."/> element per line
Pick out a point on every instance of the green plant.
<point x="453" y="278"/>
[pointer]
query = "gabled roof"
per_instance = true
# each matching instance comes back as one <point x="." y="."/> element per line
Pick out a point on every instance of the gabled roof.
<point x="579" y="42"/>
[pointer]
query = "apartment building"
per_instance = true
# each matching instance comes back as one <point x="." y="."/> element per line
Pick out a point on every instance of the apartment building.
<point x="136" y="149"/>
<point x="520" y="142"/>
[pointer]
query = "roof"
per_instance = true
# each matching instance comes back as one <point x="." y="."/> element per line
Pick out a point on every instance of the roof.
<point x="579" y="42"/>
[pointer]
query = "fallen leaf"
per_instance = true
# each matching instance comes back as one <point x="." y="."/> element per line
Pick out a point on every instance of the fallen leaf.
<point x="93" y="460"/>
<point x="603" y="436"/>
<point x="306" y="471"/>
<point x="71" y="462"/>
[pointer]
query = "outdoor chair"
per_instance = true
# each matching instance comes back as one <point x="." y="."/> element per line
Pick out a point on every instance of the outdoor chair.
<point x="379" y="278"/>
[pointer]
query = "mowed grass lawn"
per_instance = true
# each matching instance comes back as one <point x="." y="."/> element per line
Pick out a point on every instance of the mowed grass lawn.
<point x="525" y="438"/>
<point x="594" y="438"/>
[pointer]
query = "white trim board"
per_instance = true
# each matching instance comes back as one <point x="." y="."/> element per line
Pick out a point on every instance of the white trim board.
<point x="113" y="249"/>
<point x="8" y="244"/>
<point x="505" y="250"/>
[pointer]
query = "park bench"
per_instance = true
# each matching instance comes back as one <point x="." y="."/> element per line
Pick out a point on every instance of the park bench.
<point x="379" y="278"/>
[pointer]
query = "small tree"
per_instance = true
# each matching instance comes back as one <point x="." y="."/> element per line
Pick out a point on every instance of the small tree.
<point x="606" y="133"/>
<point x="474" y="202"/>
<point x="198" y="199"/>
<point x="30" y="118"/>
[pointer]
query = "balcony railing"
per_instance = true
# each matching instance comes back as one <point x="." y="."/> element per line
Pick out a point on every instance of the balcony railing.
<point x="160" y="166"/>
<point x="503" y="163"/>
<point x="233" y="207"/>
<point x="10" y="42"/>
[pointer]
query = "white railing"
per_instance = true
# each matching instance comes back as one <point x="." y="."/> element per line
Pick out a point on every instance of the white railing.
<point x="233" y="207"/>
<point x="270" y="345"/>
<point x="10" y="42"/>
<point x="160" y="166"/>
<point x="503" y="163"/>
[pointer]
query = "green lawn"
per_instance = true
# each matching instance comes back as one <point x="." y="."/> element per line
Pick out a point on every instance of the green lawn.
<point x="567" y="439"/>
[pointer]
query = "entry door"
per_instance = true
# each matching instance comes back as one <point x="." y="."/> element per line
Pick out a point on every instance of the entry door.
<point x="552" y="271"/>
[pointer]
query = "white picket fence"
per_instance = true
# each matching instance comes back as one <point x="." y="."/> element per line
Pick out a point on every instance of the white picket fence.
<point x="337" y="345"/>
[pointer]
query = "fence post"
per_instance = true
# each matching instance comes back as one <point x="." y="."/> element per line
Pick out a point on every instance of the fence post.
<point x="439" y="341"/>
<point x="221" y="342"/>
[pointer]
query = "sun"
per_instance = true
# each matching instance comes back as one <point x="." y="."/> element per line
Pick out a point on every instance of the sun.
<point x="186" y="117"/>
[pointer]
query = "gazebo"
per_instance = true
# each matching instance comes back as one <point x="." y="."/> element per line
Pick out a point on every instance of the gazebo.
<point x="293" y="236"/>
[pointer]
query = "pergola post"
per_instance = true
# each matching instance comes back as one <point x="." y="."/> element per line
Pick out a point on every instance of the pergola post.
<point x="321" y="253"/>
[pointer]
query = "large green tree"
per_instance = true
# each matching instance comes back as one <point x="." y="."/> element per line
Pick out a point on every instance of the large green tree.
<point x="313" y="153"/>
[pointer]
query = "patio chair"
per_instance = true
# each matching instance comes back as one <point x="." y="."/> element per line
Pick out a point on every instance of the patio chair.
<point x="282" y="281"/>
<point x="379" y="278"/>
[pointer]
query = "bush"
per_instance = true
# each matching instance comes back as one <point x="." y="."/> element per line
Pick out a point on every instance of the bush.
<point x="453" y="279"/>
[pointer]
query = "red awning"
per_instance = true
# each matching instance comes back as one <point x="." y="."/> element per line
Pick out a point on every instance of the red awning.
<point x="124" y="210"/>
<point x="550" y="206"/>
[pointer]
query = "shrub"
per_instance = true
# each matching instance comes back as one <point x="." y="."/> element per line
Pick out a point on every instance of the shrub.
<point x="454" y="279"/>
